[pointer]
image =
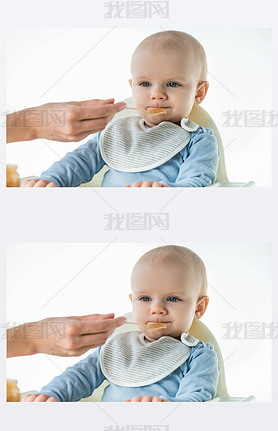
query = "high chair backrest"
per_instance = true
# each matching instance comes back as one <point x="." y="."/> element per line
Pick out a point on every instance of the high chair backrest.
<point x="200" y="331"/>
<point x="201" y="117"/>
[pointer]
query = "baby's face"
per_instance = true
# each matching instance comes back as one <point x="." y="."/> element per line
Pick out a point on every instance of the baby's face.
<point x="166" y="79"/>
<point x="164" y="294"/>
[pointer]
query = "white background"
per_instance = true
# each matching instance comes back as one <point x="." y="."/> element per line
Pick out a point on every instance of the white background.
<point x="94" y="63"/>
<point x="239" y="277"/>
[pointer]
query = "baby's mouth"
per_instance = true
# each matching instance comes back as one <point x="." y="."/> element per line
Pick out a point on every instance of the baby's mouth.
<point x="157" y="110"/>
<point x="157" y="325"/>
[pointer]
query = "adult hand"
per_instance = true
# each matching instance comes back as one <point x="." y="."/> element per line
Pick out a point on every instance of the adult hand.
<point x="64" y="336"/>
<point x="65" y="122"/>
<point x="147" y="184"/>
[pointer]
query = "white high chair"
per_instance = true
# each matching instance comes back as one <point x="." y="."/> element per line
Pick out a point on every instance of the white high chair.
<point x="200" y="331"/>
<point x="200" y="116"/>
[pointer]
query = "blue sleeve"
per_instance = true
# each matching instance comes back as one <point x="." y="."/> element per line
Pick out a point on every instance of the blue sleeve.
<point x="78" y="381"/>
<point x="76" y="167"/>
<point x="200" y="380"/>
<point x="200" y="164"/>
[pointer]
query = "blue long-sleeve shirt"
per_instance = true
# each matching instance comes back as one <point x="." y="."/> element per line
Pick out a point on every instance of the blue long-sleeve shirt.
<point x="194" y="166"/>
<point x="194" y="381"/>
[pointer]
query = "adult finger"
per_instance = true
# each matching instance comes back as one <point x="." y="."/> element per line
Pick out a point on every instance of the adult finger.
<point x="99" y="111"/>
<point x="92" y="125"/>
<point x="94" y="316"/>
<point x="92" y="102"/>
<point x="98" y="326"/>
<point x="90" y="341"/>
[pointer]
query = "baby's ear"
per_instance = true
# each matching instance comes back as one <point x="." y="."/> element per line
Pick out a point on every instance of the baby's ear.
<point x="201" y="92"/>
<point x="130" y="296"/>
<point x="201" y="307"/>
<point x="130" y="82"/>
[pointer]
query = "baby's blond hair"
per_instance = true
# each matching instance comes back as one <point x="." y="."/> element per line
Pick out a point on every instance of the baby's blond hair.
<point x="177" y="40"/>
<point x="177" y="255"/>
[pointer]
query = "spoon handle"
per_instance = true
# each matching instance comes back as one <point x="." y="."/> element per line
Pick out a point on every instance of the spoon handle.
<point x="134" y="323"/>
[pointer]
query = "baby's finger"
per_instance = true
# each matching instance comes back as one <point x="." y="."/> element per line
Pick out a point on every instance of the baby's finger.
<point x="41" y="398"/>
<point x="51" y="400"/>
<point x="146" y="399"/>
<point x="146" y="184"/>
<point x="137" y="184"/>
<point x="41" y="183"/>
<point x="29" y="183"/>
<point x="51" y="185"/>
<point x="136" y="399"/>
<point x="157" y="184"/>
<point x="28" y="398"/>
<point x="158" y="400"/>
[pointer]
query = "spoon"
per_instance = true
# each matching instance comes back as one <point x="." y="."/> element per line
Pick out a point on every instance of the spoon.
<point x="151" y="111"/>
<point x="150" y="325"/>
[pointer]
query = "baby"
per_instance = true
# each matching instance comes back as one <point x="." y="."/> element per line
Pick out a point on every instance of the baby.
<point x="169" y="71"/>
<point x="169" y="286"/>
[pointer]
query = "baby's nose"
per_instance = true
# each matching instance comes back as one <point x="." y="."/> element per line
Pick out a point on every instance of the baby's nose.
<point x="158" y="93"/>
<point x="158" y="309"/>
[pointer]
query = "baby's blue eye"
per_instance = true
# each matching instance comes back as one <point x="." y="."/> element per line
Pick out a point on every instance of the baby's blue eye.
<point x="173" y="299"/>
<point x="145" y="84"/>
<point x="173" y="84"/>
<point x="145" y="298"/>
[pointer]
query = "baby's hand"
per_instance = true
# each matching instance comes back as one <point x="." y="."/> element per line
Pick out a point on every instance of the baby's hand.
<point x="38" y="183"/>
<point x="147" y="399"/>
<point x="38" y="398"/>
<point x="147" y="184"/>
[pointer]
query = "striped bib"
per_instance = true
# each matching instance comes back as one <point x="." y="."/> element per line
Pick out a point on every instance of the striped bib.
<point x="127" y="145"/>
<point x="127" y="359"/>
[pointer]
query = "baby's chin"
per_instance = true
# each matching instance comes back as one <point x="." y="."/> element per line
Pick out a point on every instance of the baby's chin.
<point x="155" y="334"/>
<point x="159" y="119"/>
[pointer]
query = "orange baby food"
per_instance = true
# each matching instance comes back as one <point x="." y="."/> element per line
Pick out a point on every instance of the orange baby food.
<point x="157" y="111"/>
<point x="157" y="325"/>
<point x="13" y="394"/>
<point x="12" y="177"/>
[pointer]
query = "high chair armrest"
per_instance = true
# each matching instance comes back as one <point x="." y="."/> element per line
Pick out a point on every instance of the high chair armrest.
<point x="232" y="184"/>
<point x="232" y="399"/>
